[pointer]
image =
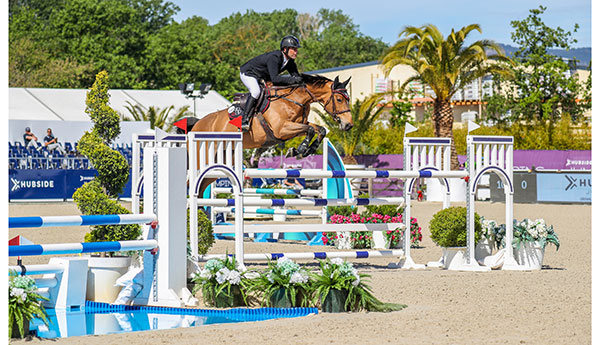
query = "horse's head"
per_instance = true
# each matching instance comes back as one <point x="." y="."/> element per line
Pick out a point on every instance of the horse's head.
<point x="334" y="98"/>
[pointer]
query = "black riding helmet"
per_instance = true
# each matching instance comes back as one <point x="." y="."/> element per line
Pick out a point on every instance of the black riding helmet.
<point x="289" y="41"/>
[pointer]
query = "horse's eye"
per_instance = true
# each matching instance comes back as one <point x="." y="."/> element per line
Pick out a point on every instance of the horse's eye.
<point x="339" y="100"/>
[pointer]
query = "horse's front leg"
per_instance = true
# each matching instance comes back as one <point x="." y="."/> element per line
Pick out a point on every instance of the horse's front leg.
<point x="315" y="145"/>
<point x="291" y="130"/>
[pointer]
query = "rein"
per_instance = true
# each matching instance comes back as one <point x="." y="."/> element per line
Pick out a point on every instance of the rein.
<point x="335" y="114"/>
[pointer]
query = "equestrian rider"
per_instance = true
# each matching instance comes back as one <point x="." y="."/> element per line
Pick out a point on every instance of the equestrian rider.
<point x="267" y="67"/>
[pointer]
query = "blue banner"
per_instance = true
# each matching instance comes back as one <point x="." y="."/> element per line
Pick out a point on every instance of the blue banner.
<point x="51" y="183"/>
<point x="36" y="184"/>
<point x="564" y="187"/>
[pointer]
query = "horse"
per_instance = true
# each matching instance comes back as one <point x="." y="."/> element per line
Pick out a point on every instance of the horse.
<point x="285" y="115"/>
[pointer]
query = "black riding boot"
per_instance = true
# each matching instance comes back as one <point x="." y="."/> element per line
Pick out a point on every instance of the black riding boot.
<point x="247" y="113"/>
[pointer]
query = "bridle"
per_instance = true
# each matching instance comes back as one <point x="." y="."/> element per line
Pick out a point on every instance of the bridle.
<point x="335" y="114"/>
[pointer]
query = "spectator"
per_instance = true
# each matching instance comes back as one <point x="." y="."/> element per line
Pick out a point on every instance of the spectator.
<point x="51" y="142"/>
<point x="30" y="139"/>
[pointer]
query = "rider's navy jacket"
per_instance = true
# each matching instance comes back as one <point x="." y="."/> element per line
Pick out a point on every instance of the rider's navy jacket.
<point x="268" y="66"/>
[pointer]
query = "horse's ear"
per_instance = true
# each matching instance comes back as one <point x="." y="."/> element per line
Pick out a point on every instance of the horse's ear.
<point x="344" y="84"/>
<point x="336" y="82"/>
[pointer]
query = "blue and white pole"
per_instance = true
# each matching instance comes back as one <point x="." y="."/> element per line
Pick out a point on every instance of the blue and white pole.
<point x="80" y="248"/>
<point x="36" y="222"/>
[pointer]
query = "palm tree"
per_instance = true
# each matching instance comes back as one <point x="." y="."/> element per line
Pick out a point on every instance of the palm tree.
<point x="156" y="116"/>
<point x="446" y="65"/>
<point x="364" y="115"/>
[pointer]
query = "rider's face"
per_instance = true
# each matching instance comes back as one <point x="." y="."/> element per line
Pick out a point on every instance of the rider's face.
<point x="292" y="52"/>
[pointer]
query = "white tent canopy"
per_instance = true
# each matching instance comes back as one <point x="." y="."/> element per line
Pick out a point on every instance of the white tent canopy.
<point x="63" y="110"/>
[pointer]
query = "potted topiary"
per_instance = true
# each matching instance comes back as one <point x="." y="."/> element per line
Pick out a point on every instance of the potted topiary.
<point x="99" y="196"/>
<point x="448" y="230"/>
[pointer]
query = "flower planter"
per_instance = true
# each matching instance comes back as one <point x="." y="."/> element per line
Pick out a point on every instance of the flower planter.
<point x="483" y="249"/>
<point x="343" y="241"/>
<point x="280" y="299"/>
<point x="335" y="301"/>
<point x="454" y="257"/>
<point x="103" y="272"/>
<point x="235" y="299"/>
<point x="530" y="255"/>
<point x="278" y="217"/>
<point x="15" y="329"/>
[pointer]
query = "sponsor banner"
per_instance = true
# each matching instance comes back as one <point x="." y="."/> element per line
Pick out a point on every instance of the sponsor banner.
<point x="75" y="179"/>
<point x="564" y="187"/>
<point x="36" y="184"/>
<point x="223" y="183"/>
<point x="51" y="183"/>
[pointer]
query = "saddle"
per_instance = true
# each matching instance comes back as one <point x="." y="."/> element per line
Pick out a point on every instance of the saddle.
<point x="239" y="99"/>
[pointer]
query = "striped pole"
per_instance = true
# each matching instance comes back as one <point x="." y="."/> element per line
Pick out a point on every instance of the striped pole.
<point x="80" y="248"/>
<point x="275" y="228"/>
<point x="37" y="269"/>
<point x="314" y="173"/>
<point x="273" y="191"/>
<point x="37" y="222"/>
<point x="302" y="202"/>
<point x="315" y="255"/>
<point x="256" y="210"/>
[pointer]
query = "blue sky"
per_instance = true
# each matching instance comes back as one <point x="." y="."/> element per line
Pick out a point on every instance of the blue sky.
<point x="385" y="19"/>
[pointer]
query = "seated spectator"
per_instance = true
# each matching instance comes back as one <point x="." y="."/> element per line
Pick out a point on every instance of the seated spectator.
<point x="29" y="138"/>
<point x="51" y="142"/>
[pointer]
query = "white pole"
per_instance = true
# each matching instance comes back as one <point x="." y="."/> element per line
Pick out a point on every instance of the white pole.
<point x="193" y="197"/>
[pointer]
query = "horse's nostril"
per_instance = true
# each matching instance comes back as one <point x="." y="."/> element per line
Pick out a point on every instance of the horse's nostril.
<point x="348" y="126"/>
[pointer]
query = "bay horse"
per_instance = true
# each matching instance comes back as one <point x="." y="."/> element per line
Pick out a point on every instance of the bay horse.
<point x="287" y="115"/>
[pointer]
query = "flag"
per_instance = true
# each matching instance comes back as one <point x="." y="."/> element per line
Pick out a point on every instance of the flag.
<point x="159" y="134"/>
<point x="237" y="122"/>
<point x="408" y="128"/>
<point x="472" y="126"/>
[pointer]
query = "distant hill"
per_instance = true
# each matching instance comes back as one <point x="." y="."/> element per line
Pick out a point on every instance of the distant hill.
<point x="583" y="55"/>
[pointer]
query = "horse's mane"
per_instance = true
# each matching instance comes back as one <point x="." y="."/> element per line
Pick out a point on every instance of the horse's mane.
<point x="317" y="80"/>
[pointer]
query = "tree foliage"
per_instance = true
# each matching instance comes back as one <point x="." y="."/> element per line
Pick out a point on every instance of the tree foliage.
<point x="65" y="43"/>
<point x="446" y="64"/>
<point x="543" y="88"/>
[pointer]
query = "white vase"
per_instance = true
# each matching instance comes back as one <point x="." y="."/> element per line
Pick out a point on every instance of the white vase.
<point x="454" y="257"/>
<point x="530" y="255"/>
<point x="103" y="272"/>
<point x="343" y="240"/>
<point x="482" y="250"/>
<point x="278" y="217"/>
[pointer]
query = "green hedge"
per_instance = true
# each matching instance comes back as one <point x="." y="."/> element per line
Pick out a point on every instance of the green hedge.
<point x="448" y="227"/>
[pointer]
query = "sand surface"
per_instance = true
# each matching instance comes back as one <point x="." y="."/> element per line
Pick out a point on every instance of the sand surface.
<point x="551" y="306"/>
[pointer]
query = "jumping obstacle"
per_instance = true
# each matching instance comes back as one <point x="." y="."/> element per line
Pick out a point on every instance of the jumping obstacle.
<point x="165" y="270"/>
<point x="422" y="162"/>
<point x="64" y="279"/>
<point x="425" y="158"/>
<point x="273" y="191"/>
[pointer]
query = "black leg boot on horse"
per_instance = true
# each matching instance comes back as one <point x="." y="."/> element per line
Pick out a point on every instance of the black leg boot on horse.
<point x="248" y="109"/>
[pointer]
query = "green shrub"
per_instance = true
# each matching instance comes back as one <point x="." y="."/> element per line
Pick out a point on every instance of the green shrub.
<point x="449" y="227"/>
<point x="113" y="169"/>
<point x="92" y="201"/>
<point x="341" y="210"/>
<point x="205" y="232"/>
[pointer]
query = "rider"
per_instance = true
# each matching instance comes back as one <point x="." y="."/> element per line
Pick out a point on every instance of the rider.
<point x="268" y="66"/>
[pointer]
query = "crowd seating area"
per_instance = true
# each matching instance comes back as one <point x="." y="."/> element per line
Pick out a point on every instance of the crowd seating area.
<point x="21" y="157"/>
